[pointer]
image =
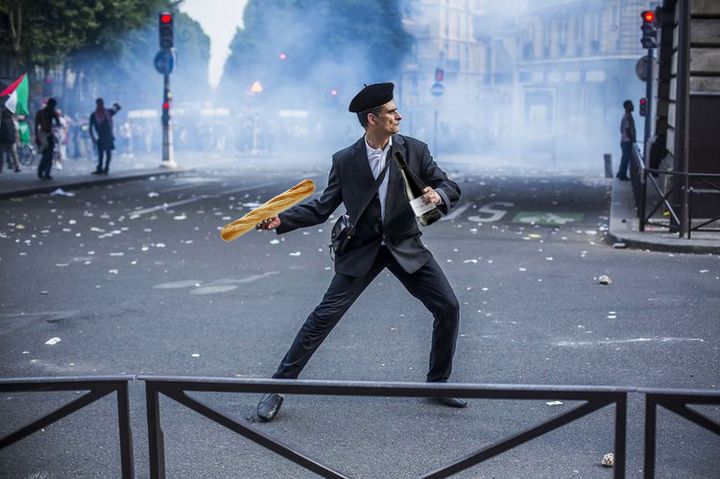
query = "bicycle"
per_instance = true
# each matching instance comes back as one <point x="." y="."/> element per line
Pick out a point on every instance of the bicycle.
<point x="27" y="154"/>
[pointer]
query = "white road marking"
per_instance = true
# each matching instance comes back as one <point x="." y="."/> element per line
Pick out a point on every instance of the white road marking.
<point x="626" y="341"/>
<point x="137" y="213"/>
<point x="456" y="212"/>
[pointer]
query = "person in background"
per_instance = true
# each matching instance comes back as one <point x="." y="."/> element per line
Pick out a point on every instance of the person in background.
<point x="101" y="125"/>
<point x="8" y="141"/>
<point x="627" y="140"/>
<point x="45" y="119"/>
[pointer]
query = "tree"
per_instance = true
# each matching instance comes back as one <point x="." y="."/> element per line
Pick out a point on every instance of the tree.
<point x="129" y="74"/>
<point x="45" y="33"/>
<point x="101" y="47"/>
<point x="326" y="44"/>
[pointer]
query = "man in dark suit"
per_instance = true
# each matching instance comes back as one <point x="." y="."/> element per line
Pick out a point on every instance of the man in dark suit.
<point x="387" y="235"/>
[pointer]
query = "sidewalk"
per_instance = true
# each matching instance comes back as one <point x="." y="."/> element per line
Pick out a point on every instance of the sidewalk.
<point x="624" y="228"/>
<point x="77" y="173"/>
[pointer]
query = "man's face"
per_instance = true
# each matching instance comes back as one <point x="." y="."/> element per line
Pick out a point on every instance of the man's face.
<point x="629" y="107"/>
<point x="387" y="120"/>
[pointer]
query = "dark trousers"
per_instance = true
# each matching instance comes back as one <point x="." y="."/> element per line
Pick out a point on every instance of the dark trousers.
<point x="108" y="157"/>
<point x="428" y="284"/>
<point x="626" y="159"/>
<point x="45" y="165"/>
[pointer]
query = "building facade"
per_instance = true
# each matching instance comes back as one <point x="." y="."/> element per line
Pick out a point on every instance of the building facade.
<point x="547" y="76"/>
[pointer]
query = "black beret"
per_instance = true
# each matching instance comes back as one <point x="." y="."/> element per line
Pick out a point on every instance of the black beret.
<point x="372" y="96"/>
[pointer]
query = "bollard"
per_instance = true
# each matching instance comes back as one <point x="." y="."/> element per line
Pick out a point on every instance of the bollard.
<point x="608" y="165"/>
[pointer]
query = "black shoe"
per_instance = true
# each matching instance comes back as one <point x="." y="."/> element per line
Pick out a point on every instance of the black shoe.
<point x="105" y="171"/>
<point x="450" y="402"/>
<point x="97" y="172"/>
<point x="623" y="178"/>
<point x="48" y="177"/>
<point x="269" y="406"/>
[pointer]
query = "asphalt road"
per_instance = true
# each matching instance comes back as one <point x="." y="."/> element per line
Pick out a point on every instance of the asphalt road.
<point x="134" y="279"/>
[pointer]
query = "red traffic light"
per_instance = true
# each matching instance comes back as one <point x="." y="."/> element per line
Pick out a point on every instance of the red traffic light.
<point x="283" y="56"/>
<point x="166" y="105"/>
<point x="333" y="92"/>
<point x="648" y="16"/>
<point x="166" y="17"/>
<point x="439" y="74"/>
<point x="643" y="101"/>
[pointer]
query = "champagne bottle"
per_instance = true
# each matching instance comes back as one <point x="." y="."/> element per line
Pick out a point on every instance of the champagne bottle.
<point x="427" y="214"/>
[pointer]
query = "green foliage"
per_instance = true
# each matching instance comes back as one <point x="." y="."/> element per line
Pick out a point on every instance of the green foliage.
<point x="326" y="42"/>
<point x="127" y="73"/>
<point x="47" y="32"/>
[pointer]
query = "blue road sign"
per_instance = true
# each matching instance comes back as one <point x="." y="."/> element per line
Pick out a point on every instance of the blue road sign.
<point x="437" y="89"/>
<point x="165" y="61"/>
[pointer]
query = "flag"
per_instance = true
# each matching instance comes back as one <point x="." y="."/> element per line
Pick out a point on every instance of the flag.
<point x="15" y="96"/>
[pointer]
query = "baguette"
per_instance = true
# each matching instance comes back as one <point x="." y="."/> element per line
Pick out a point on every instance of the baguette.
<point x="269" y="209"/>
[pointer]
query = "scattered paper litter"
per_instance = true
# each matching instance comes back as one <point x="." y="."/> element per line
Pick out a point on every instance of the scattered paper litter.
<point x="61" y="192"/>
<point x="180" y="217"/>
<point x="608" y="459"/>
<point x="554" y="403"/>
<point x="605" y="279"/>
<point x="619" y="245"/>
<point x="296" y="253"/>
<point x="53" y="341"/>
<point x="274" y="241"/>
<point x="153" y="194"/>
<point x="195" y="355"/>
<point x="470" y="261"/>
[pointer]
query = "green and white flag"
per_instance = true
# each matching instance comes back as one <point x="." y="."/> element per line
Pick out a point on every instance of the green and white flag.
<point x="15" y="97"/>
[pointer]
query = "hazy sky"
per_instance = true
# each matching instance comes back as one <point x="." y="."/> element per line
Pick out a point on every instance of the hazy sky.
<point x="219" y="19"/>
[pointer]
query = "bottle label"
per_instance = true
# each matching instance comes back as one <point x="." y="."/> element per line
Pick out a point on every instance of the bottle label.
<point x="420" y="208"/>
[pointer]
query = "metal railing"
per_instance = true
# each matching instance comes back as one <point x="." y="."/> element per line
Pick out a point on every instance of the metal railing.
<point x="677" y="402"/>
<point x="682" y="221"/>
<point x="97" y="387"/>
<point x="177" y="388"/>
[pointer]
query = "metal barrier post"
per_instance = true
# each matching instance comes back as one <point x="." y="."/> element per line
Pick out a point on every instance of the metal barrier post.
<point x="126" y="445"/>
<point x="643" y="199"/>
<point x="650" y="434"/>
<point x="620" y="436"/>
<point x="155" y="435"/>
<point x="689" y="213"/>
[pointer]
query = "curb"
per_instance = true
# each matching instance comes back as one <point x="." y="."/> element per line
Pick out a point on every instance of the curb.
<point x="82" y="182"/>
<point x="623" y="228"/>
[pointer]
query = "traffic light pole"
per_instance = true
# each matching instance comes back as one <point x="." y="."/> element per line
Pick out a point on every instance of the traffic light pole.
<point x="648" y="95"/>
<point x="168" y="153"/>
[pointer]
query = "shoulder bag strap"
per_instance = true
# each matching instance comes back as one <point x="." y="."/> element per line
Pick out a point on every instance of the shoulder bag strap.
<point x="378" y="182"/>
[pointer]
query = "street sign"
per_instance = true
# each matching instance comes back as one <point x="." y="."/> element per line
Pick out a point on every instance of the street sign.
<point x="165" y="61"/>
<point x="641" y="68"/>
<point x="437" y="89"/>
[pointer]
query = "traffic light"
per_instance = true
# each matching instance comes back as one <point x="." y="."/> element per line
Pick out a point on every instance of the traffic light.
<point x="165" y="27"/>
<point x="439" y="74"/>
<point x="649" y="34"/>
<point x="643" y="106"/>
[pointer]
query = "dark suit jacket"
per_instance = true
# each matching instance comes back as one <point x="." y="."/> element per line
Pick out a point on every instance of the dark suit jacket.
<point x="351" y="181"/>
